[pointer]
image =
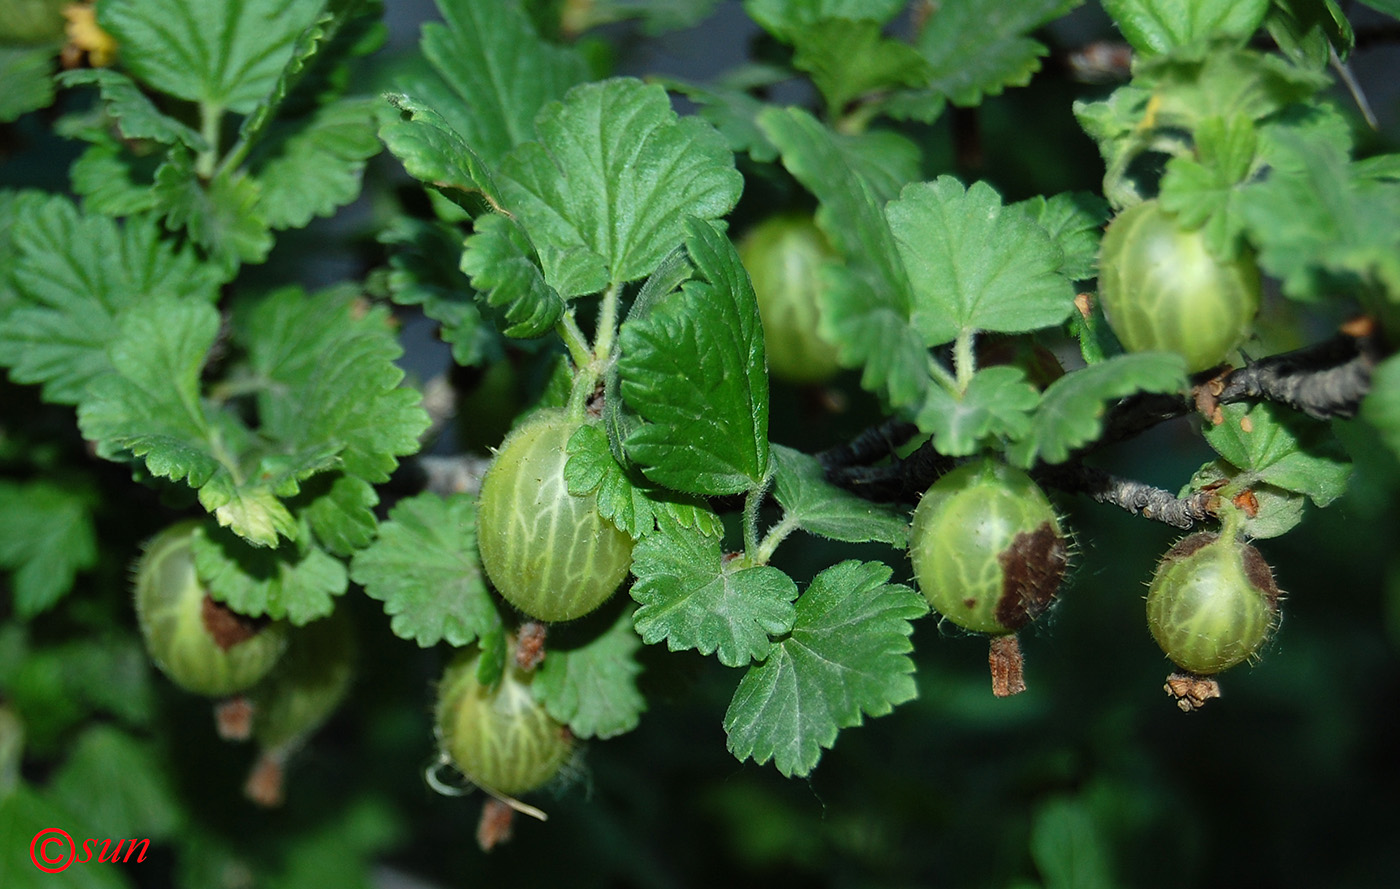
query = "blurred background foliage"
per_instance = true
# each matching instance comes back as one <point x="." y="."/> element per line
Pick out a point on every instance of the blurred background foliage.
<point x="1090" y="779"/>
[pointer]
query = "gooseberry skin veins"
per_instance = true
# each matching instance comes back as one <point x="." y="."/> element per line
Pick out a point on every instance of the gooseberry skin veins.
<point x="783" y="256"/>
<point x="1212" y="603"/>
<point x="971" y="527"/>
<point x="499" y="737"/>
<point x="1161" y="289"/>
<point x="548" y="552"/>
<point x="169" y="606"/>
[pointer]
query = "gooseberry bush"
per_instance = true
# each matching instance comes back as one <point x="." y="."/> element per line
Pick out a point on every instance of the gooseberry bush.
<point x="742" y="379"/>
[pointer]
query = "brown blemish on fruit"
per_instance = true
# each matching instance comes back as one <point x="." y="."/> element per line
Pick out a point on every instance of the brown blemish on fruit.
<point x="1031" y="568"/>
<point x="1188" y="545"/>
<point x="1007" y="666"/>
<point x="1260" y="575"/>
<point x="227" y="627"/>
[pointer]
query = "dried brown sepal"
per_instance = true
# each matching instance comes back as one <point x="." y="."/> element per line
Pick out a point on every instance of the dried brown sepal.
<point x="1032" y="568"/>
<point x="1191" y="691"/>
<point x="529" y="644"/>
<point x="1360" y="327"/>
<point x="233" y="718"/>
<point x="266" y="784"/>
<point x="496" y="824"/>
<point x="1246" y="502"/>
<point x="1007" y="666"/>
<point x="227" y="627"/>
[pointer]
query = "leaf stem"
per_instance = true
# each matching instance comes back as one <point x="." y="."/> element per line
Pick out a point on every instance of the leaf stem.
<point x="211" y="118"/>
<point x="606" y="331"/>
<point x="752" y="501"/>
<point x="763" y="554"/>
<point x="574" y="340"/>
<point x="964" y="361"/>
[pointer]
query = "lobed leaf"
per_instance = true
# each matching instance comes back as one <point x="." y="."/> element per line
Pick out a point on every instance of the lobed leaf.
<point x="997" y="404"/>
<point x="1203" y="191"/>
<point x="1074" y="221"/>
<point x="1072" y="408"/>
<point x="692" y="597"/>
<point x="424" y="567"/>
<point x="613" y="178"/>
<point x="819" y="507"/>
<point x="46" y="537"/>
<point x="298" y="582"/>
<point x="1282" y="448"/>
<point x="226" y="54"/>
<point x="974" y="267"/>
<point x="505" y="269"/>
<point x="73" y="275"/>
<point x="1158" y="26"/>
<point x="693" y="369"/>
<point x="437" y="155"/>
<point x="850" y="59"/>
<point x="316" y="168"/>
<point x="137" y="117"/>
<point x="977" y="48"/>
<point x="491" y="74"/>
<point x="846" y="657"/>
<point x="592" y="688"/>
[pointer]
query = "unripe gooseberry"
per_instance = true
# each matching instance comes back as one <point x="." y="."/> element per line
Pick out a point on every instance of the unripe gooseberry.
<point x="202" y="645"/>
<point x="987" y="548"/>
<point x="783" y="255"/>
<point x="307" y="684"/>
<point x="1161" y="288"/>
<point x="548" y="552"/>
<point x="1212" y="603"/>
<point x="499" y="736"/>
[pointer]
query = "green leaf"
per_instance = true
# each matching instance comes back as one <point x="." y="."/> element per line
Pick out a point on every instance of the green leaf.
<point x="731" y="111"/>
<point x="425" y="270"/>
<point x="316" y="168"/>
<point x="329" y="362"/>
<point x="24" y="814"/>
<point x="1277" y="511"/>
<point x="614" y="177"/>
<point x="849" y="59"/>
<point x="974" y="267"/>
<point x="592" y="688"/>
<point x="1282" y="448"/>
<point x="1158" y="26"/>
<point x="137" y="117"/>
<point x="505" y="269"/>
<point x="997" y="404"/>
<point x="491" y="74"/>
<point x="221" y="215"/>
<point x="1192" y="86"/>
<point x="1308" y="30"/>
<point x="1074" y="220"/>
<point x="27" y="72"/>
<point x="437" y="155"/>
<point x="779" y="16"/>
<point x="339" y="509"/>
<point x="1381" y="408"/>
<point x="978" y="48"/>
<point x="1202" y="190"/>
<point x="121" y="785"/>
<point x="1068" y="848"/>
<point x="847" y="657"/>
<point x="819" y="507"/>
<point x="694" y="369"/>
<point x="114" y="182"/>
<point x="692" y="597"/>
<point x="625" y="498"/>
<point x="425" y="569"/>
<point x="296" y="581"/>
<point x="1072" y="408"/>
<point x="76" y="274"/>
<point x="46" y="538"/>
<point x="227" y="54"/>
<point x="1317" y="224"/>
<point x="1389" y="7"/>
<point x="866" y="303"/>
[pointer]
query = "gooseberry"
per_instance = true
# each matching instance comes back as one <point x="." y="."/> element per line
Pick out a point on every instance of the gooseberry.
<point x="1212" y="603"/>
<point x="1162" y="288"/>
<point x="987" y="548"/>
<point x="547" y="551"/>
<point x="498" y="735"/>
<point x="202" y="645"/>
<point x="783" y="255"/>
